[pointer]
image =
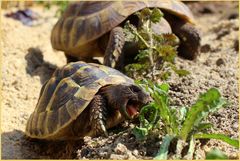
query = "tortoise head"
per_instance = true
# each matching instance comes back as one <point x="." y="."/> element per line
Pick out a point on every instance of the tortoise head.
<point x="127" y="98"/>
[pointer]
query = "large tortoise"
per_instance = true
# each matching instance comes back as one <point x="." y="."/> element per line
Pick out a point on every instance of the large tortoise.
<point x="92" y="29"/>
<point x="84" y="99"/>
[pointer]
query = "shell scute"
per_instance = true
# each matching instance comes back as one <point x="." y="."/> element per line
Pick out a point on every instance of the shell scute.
<point x="52" y="121"/>
<point x="73" y="106"/>
<point x="62" y="95"/>
<point x="63" y="116"/>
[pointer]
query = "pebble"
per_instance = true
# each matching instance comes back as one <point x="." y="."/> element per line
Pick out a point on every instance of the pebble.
<point x="120" y="149"/>
<point x="220" y="62"/>
<point x="236" y="45"/>
<point x="205" y="48"/>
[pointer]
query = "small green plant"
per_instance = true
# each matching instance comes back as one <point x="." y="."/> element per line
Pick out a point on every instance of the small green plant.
<point x="156" y="52"/>
<point x="184" y="125"/>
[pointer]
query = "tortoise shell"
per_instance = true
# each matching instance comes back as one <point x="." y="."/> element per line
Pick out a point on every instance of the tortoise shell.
<point x="65" y="96"/>
<point x="84" y="22"/>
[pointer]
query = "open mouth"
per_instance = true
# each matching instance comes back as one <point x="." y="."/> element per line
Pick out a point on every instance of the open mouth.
<point x="133" y="108"/>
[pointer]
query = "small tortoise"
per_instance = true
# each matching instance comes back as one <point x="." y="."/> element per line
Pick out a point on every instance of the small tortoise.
<point x="84" y="99"/>
<point x="93" y="29"/>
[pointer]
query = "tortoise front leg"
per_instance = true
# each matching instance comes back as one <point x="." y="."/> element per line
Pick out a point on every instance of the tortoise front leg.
<point x="190" y="40"/>
<point x="98" y="115"/>
<point x="112" y="57"/>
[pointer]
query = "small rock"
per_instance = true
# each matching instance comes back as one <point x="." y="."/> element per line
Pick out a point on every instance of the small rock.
<point x="117" y="157"/>
<point x="205" y="48"/>
<point x="235" y="125"/>
<point x="236" y="45"/>
<point x="220" y="62"/>
<point x="206" y="10"/>
<point x="87" y="139"/>
<point x="130" y="156"/>
<point x="120" y="149"/>
<point x="222" y="33"/>
<point x="135" y="152"/>
<point x="232" y="14"/>
<point x="84" y="152"/>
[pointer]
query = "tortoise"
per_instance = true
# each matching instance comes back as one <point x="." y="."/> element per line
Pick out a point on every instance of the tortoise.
<point x="95" y="29"/>
<point x="84" y="99"/>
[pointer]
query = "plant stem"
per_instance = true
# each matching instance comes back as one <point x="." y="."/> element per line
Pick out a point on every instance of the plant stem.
<point x="139" y="36"/>
<point x="190" y="153"/>
<point x="150" y="34"/>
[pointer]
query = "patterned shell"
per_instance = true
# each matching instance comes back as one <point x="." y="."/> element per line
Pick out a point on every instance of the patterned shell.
<point x="67" y="94"/>
<point x="83" y="22"/>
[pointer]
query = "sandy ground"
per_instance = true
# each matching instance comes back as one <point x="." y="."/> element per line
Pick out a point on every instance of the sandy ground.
<point x="28" y="61"/>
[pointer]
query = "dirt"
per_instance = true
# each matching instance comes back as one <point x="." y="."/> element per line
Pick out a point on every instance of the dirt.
<point x="29" y="60"/>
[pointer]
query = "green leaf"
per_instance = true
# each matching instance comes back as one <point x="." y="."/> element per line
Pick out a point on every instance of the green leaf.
<point x="182" y="72"/>
<point x="216" y="154"/>
<point x="162" y="103"/>
<point x="165" y="75"/>
<point x="221" y="137"/>
<point x="156" y="15"/>
<point x="143" y="54"/>
<point x="164" y="86"/>
<point x="148" y="122"/>
<point x="140" y="133"/>
<point x="170" y="39"/>
<point x="167" y="52"/>
<point x="147" y="85"/>
<point x="179" y="72"/>
<point x="203" y="126"/>
<point x="207" y="102"/>
<point x="163" y="152"/>
<point x="129" y="30"/>
<point x="145" y="14"/>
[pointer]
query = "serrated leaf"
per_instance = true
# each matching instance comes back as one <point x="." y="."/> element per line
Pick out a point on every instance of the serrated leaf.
<point x="143" y="54"/>
<point x="129" y="32"/>
<point x="221" y="137"/>
<point x="156" y="15"/>
<point x="145" y="14"/>
<point x="167" y="52"/>
<point x="162" y="103"/>
<point x="207" y="102"/>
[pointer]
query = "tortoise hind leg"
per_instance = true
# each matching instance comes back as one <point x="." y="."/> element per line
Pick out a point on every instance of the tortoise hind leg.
<point x="98" y="115"/>
<point x="189" y="37"/>
<point x="112" y="57"/>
